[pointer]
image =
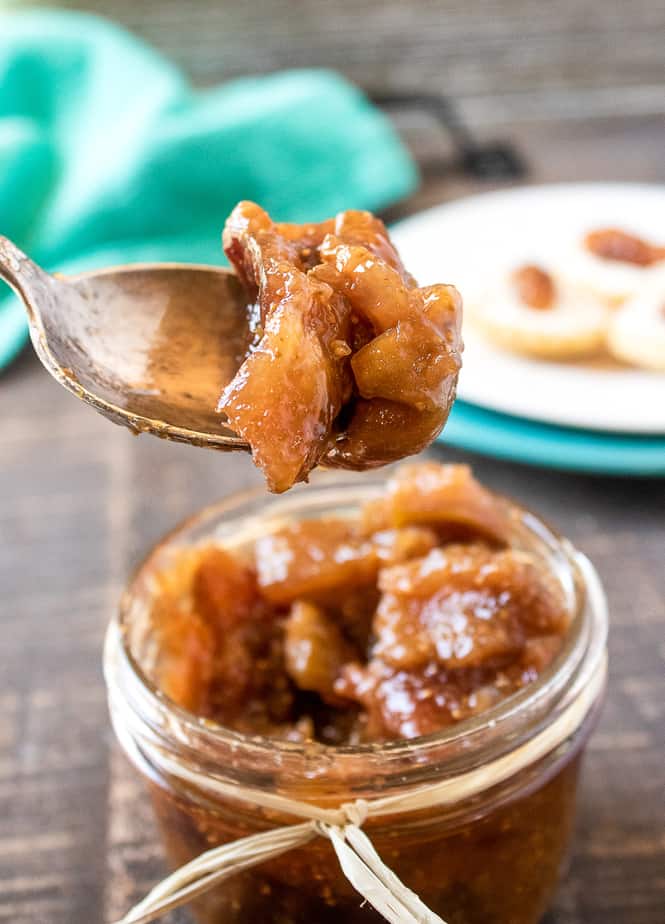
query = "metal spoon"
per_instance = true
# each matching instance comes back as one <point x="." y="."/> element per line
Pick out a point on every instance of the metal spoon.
<point x="150" y="346"/>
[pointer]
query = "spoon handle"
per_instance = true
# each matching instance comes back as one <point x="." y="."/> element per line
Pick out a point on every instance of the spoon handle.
<point x="25" y="277"/>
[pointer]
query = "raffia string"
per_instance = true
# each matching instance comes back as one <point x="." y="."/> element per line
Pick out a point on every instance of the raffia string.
<point x="358" y="859"/>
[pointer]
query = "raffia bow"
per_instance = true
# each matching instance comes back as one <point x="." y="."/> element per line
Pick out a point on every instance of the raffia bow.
<point x="357" y="857"/>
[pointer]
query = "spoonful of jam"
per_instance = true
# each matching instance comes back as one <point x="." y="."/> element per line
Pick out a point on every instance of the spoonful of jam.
<point x="319" y="348"/>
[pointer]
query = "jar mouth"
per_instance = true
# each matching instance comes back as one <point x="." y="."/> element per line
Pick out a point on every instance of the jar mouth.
<point x="497" y="729"/>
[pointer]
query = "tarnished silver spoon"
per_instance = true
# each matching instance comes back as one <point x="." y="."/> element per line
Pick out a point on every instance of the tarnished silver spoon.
<point x="150" y="346"/>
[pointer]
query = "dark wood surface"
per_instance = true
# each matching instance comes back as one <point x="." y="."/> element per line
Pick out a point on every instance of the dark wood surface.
<point x="80" y="501"/>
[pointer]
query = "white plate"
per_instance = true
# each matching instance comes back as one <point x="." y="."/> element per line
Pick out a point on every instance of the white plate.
<point x="465" y="241"/>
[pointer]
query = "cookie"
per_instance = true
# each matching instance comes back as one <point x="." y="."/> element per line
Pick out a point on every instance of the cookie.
<point x="614" y="264"/>
<point x="538" y="313"/>
<point x="636" y="333"/>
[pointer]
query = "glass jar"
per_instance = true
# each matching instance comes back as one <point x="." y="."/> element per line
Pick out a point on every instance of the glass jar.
<point x="494" y="853"/>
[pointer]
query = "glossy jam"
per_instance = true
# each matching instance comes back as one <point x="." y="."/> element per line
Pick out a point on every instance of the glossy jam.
<point x="351" y="362"/>
<point x="621" y="246"/>
<point x="395" y="624"/>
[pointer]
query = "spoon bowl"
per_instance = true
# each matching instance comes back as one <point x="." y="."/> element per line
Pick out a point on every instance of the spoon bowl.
<point x="150" y="346"/>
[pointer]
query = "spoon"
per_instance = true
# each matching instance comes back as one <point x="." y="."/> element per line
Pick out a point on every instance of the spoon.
<point x="150" y="346"/>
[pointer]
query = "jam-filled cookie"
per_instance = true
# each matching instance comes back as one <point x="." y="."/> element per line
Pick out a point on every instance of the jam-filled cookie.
<point x="636" y="333"/>
<point x="614" y="263"/>
<point x="534" y="312"/>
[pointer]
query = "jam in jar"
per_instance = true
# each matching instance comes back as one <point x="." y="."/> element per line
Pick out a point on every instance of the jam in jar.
<point x="358" y="640"/>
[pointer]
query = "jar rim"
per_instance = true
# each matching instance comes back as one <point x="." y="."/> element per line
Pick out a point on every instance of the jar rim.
<point x="496" y="728"/>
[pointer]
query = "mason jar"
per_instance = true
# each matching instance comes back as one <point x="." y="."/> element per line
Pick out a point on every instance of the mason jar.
<point x="489" y="849"/>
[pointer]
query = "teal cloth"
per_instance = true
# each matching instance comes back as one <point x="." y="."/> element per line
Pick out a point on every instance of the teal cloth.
<point x="107" y="154"/>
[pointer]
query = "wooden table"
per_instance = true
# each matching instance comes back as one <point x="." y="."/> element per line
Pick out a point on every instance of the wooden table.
<point x="80" y="501"/>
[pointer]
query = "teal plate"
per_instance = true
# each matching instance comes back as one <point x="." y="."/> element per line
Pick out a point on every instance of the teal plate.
<point x="13" y="330"/>
<point x="506" y="437"/>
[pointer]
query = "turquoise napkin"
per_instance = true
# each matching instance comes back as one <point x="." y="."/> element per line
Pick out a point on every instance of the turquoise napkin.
<point x="107" y="154"/>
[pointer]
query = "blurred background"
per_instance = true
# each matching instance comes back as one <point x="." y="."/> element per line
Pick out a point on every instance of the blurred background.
<point x="537" y="73"/>
<point x="483" y="95"/>
<point x="507" y="63"/>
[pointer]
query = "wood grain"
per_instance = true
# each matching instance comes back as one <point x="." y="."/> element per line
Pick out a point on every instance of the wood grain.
<point x="80" y="501"/>
<point x="502" y="58"/>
